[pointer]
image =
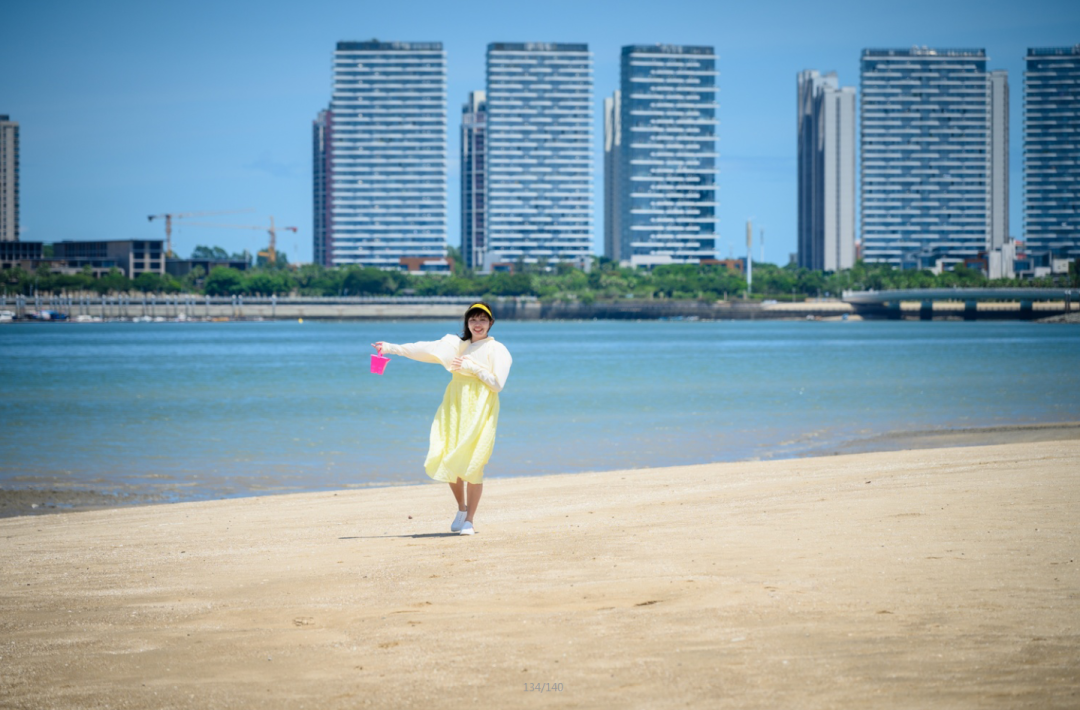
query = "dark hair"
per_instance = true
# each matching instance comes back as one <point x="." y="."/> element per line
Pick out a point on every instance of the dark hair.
<point x="475" y="309"/>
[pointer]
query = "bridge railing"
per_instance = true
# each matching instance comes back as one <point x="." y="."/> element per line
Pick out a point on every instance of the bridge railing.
<point x="1023" y="295"/>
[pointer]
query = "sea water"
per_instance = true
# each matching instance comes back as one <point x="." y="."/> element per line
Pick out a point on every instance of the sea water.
<point x="198" y="410"/>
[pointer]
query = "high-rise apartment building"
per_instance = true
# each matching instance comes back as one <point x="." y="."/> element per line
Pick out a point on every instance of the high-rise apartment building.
<point x="612" y="176"/>
<point x="539" y="162"/>
<point x="382" y="145"/>
<point x="1052" y="153"/>
<point x="9" y="179"/>
<point x="826" y="149"/>
<point x="928" y="156"/>
<point x="663" y="175"/>
<point x="474" y="179"/>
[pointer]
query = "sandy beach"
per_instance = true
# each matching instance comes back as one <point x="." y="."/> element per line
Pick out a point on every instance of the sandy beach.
<point x="942" y="578"/>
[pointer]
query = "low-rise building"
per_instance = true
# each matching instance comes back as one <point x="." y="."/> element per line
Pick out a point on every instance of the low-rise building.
<point x="131" y="257"/>
<point x="417" y="265"/>
<point x="13" y="253"/>
<point x="182" y="267"/>
<point x="31" y="256"/>
<point x="1001" y="262"/>
<point x="735" y="266"/>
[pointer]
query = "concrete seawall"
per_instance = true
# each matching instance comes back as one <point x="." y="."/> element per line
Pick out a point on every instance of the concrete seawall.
<point x="632" y="309"/>
<point x="202" y="308"/>
<point x="238" y="308"/>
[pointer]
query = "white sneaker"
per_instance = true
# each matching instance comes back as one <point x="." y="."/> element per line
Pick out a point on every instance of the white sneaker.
<point x="467" y="529"/>
<point x="458" y="520"/>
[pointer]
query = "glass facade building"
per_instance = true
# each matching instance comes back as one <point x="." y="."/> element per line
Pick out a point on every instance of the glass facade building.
<point x="664" y="133"/>
<point x="826" y="150"/>
<point x="539" y="160"/>
<point x="474" y="179"/>
<point x="1052" y="153"/>
<point x="385" y="177"/>
<point x="9" y="180"/>
<point x="927" y="157"/>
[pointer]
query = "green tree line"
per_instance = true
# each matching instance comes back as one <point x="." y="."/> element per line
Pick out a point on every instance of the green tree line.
<point x="605" y="281"/>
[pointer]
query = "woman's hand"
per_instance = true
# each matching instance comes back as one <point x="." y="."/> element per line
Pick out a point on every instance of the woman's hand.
<point x="378" y="346"/>
<point x="464" y="364"/>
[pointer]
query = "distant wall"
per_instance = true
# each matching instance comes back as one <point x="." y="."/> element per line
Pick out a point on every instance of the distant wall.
<point x="633" y="309"/>
<point x="235" y="308"/>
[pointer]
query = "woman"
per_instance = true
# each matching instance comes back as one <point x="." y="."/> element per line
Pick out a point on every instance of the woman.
<point x="463" y="433"/>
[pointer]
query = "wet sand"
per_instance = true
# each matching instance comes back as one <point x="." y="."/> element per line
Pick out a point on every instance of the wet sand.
<point x="946" y="438"/>
<point x="42" y="500"/>
<point x="906" y="579"/>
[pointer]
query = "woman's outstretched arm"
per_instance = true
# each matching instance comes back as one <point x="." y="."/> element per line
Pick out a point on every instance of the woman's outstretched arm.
<point x="422" y="351"/>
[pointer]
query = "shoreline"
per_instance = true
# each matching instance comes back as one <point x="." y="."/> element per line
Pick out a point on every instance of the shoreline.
<point x="916" y="578"/>
<point x="52" y="499"/>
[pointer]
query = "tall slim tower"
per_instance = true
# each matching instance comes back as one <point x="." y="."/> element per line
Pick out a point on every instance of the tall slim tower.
<point x="668" y="159"/>
<point x="1052" y="153"/>
<point x="9" y="180"/>
<point x="387" y="173"/>
<point x="612" y="176"/>
<point x="473" y="179"/>
<point x="999" y="158"/>
<point x="927" y="156"/>
<point x="323" y="172"/>
<point x="539" y="164"/>
<point x="749" y="255"/>
<point x="826" y="129"/>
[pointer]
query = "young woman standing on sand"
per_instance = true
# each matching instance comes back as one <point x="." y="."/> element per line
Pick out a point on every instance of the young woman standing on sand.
<point x="463" y="433"/>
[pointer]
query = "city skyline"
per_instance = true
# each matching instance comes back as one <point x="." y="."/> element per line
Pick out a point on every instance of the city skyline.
<point x="148" y="125"/>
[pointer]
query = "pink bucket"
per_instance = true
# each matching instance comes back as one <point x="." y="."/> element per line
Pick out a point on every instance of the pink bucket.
<point x="378" y="364"/>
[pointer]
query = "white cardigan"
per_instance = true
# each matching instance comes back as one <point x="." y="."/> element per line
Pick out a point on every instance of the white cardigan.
<point x="487" y="360"/>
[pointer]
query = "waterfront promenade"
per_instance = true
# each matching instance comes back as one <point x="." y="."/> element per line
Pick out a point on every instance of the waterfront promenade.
<point x="911" y="579"/>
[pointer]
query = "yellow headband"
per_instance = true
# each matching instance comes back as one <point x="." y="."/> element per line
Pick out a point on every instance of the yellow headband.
<point x="482" y="307"/>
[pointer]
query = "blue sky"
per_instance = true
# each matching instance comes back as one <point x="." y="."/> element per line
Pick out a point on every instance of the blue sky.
<point x="134" y="108"/>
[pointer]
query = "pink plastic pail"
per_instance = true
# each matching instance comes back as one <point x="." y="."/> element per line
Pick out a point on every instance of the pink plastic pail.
<point x="378" y="364"/>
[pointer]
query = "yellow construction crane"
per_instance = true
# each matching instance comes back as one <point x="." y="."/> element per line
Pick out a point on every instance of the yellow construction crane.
<point x="170" y="216"/>
<point x="271" y="252"/>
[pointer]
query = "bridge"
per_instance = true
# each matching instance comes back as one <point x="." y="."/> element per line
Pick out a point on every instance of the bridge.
<point x="890" y="300"/>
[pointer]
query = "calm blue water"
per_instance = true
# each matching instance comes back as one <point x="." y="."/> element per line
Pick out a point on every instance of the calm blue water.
<point x="218" y="409"/>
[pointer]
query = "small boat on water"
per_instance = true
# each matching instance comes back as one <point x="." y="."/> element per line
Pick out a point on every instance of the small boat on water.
<point x="46" y="315"/>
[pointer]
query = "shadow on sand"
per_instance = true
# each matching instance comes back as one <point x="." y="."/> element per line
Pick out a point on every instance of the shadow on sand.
<point x="418" y="535"/>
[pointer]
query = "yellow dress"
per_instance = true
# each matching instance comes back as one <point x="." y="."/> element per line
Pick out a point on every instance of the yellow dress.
<point x="463" y="433"/>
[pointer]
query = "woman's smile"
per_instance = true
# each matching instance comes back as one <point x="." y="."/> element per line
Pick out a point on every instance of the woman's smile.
<point x="479" y="328"/>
